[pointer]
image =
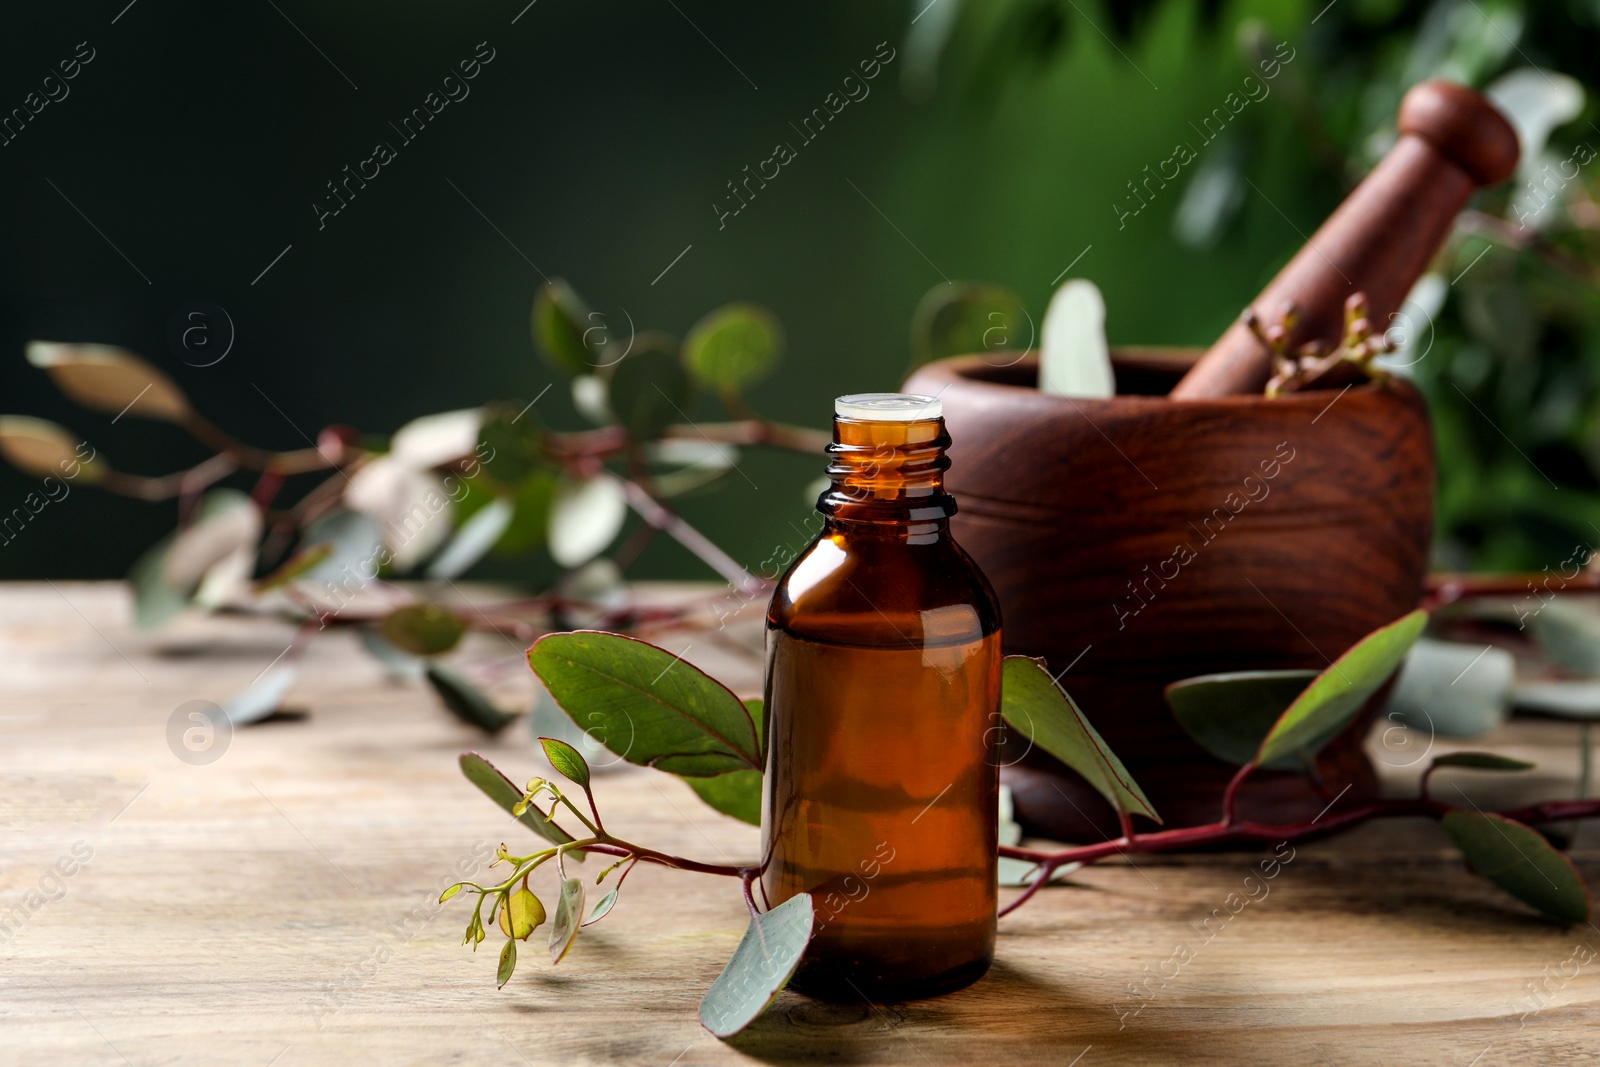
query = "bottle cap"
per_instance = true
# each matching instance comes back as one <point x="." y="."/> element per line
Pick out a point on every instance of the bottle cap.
<point x="888" y="407"/>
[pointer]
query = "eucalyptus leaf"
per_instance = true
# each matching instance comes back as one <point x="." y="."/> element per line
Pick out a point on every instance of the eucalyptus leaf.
<point x="357" y="549"/>
<point x="498" y="788"/>
<point x="737" y="793"/>
<point x="530" y="514"/>
<point x="399" y="664"/>
<point x="1337" y="695"/>
<point x="44" y="449"/>
<point x="602" y="908"/>
<point x="510" y="444"/>
<point x="569" y="917"/>
<point x="1035" y="706"/>
<point x="1481" y="761"/>
<point x="226" y="522"/>
<point x="508" y="963"/>
<point x="154" y="599"/>
<point x="647" y="705"/>
<point x="1564" y="700"/>
<point x="422" y="629"/>
<point x="1018" y="874"/>
<point x="464" y="700"/>
<point x="1569" y="633"/>
<point x="1453" y="688"/>
<point x="649" y="389"/>
<point x="435" y="440"/>
<point x="473" y="539"/>
<point x="961" y="318"/>
<point x="586" y="514"/>
<point x="297" y="566"/>
<point x="261" y="698"/>
<point x="761" y="966"/>
<point x="1520" y="861"/>
<point x="110" y="380"/>
<point x="733" y="346"/>
<point x="1230" y="714"/>
<point x="560" y="325"/>
<point x="524" y="913"/>
<point x="1073" y="357"/>
<point x="567" y="761"/>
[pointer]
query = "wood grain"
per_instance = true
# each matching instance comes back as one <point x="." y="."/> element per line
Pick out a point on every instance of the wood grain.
<point x="276" y="907"/>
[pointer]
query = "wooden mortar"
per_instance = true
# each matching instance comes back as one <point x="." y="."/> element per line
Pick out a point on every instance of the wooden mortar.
<point x="1079" y="511"/>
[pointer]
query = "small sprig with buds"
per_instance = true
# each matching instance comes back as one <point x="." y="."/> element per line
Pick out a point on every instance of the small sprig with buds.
<point x="1311" y="362"/>
<point x="513" y="905"/>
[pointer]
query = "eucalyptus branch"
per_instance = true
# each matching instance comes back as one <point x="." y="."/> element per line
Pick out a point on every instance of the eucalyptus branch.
<point x="1225" y="833"/>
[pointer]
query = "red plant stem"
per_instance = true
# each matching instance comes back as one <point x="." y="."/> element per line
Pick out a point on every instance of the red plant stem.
<point x="702" y="546"/>
<point x="1249" y="833"/>
<point x="747" y="876"/>
<point x="650" y="855"/>
<point x="1231" y="793"/>
<point x="1447" y="588"/>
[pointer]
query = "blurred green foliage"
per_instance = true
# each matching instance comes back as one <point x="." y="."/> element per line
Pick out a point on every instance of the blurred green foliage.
<point x="996" y="147"/>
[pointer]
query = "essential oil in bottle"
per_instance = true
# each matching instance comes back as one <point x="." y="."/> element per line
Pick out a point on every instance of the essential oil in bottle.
<point x="883" y="704"/>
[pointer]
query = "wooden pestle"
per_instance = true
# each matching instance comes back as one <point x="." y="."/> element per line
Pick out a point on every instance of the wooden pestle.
<point x="1379" y="241"/>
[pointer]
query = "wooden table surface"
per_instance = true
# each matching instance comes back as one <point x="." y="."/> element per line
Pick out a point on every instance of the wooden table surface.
<point x="277" y="906"/>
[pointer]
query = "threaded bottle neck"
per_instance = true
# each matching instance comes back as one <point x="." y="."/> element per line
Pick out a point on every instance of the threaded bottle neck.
<point x="887" y="472"/>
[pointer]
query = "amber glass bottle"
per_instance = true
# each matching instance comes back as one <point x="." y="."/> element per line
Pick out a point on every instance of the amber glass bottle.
<point x="883" y="700"/>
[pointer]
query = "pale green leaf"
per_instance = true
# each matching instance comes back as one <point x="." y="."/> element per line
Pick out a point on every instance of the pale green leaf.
<point x="761" y="966"/>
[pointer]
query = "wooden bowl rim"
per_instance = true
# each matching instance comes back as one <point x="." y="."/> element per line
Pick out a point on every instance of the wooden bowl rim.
<point x="1176" y="358"/>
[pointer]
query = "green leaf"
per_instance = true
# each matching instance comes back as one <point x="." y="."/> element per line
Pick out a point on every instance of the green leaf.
<point x="567" y="760"/>
<point x="400" y="665"/>
<point x="733" y="346"/>
<point x="164" y="579"/>
<point x="464" y="700"/>
<point x="1230" y="714"/>
<point x="302" y="562"/>
<point x="1569" y="633"/>
<point x="560" y="321"/>
<point x="1518" y="860"/>
<point x="963" y="318"/>
<point x="602" y="907"/>
<point x="452" y="891"/>
<point x="498" y="788"/>
<point x="508" y="963"/>
<point x="510" y="444"/>
<point x="737" y="793"/>
<point x="1034" y="705"/>
<point x="422" y="629"/>
<point x="761" y="966"/>
<point x="648" y="390"/>
<point x="569" y="916"/>
<point x="647" y="705"/>
<point x="1337" y="695"/>
<point x="1481" y="761"/>
<point x="530" y="515"/>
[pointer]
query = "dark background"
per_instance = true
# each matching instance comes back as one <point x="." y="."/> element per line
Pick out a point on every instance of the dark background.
<point x="594" y="145"/>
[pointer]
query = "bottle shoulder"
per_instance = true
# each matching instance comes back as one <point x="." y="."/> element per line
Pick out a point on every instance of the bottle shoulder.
<point x="884" y="591"/>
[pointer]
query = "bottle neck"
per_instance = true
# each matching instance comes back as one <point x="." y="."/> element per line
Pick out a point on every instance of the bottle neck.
<point x="888" y="478"/>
